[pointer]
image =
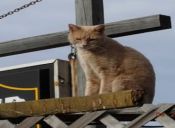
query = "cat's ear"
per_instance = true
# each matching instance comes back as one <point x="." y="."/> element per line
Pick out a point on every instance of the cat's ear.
<point x="100" y="28"/>
<point x="73" y="27"/>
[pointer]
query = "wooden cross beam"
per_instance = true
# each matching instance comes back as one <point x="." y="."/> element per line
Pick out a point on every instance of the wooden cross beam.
<point x="59" y="39"/>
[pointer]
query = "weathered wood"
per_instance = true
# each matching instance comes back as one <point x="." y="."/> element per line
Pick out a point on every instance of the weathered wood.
<point x="124" y="114"/>
<point x="33" y="43"/>
<point x="29" y="122"/>
<point x="64" y="78"/>
<point x="6" y="124"/>
<point x="88" y="12"/>
<point x="111" y="122"/>
<point x="149" y="115"/>
<point x="138" y="25"/>
<point x="69" y="105"/>
<point x="74" y="78"/>
<point x="157" y="113"/>
<point x="86" y="119"/>
<point x="120" y="28"/>
<point x="162" y="118"/>
<point x="166" y="121"/>
<point x="55" y="122"/>
<point x="142" y="119"/>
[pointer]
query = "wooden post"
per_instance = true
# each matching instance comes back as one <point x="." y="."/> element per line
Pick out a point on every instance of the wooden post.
<point x="88" y="12"/>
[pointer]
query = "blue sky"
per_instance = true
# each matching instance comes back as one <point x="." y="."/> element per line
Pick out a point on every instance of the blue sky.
<point x="51" y="16"/>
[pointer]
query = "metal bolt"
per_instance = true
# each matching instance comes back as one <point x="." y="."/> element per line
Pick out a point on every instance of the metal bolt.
<point x="62" y="81"/>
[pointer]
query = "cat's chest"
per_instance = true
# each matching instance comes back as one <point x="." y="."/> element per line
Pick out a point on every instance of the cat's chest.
<point x="95" y="61"/>
<point x="88" y="58"/>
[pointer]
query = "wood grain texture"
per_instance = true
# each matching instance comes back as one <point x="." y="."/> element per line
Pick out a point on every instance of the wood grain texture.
<point x="69" y="104"/>
<point x="138" y="25"/>
<point x="89" y="12"/>
<point x="86" y="119"/>
<point x="64" y="76"/>
<point x="55" y="122"/>
<point x="74" y="78"/>
<point x="162" y="118"/>
<point x="111" y="122"/>
<point x="29" y="122"/>
<point x="59" y="39"/>
<point x="33" y="43"/>
<point x="6" y="124"/>
<point x="150" y="113"/>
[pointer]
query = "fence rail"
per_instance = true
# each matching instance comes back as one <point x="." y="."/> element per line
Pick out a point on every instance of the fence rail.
<point x="114" y="29"/>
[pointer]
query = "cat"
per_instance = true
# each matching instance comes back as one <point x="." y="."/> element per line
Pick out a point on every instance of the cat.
<point x="108" y="65"/>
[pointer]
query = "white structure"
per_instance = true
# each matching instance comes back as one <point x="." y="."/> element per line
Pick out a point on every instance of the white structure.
<point x="14" y="99"/>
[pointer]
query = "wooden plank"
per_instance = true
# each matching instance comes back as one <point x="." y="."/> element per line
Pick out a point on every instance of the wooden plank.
<point x="166" y="121"/>
<point x="64" y="78"/>
<point x="29" y="122"/>
<point x="88" y="12"/>
<point x="74" y="78"/>
<point x="55" y="122"/>
<point x="34" y="43"/>
<point x="90" y="126"/>
<point x="142" y="119"/>
<point x="120" y="28"/>
<point x="149" y="115"/>
<point x="124" y="114"/>
<point x="6" y="124"/>
<point x="111" y="122"/>
<point x="138" y="25"/>
<point x="86" y="119"/>
<point x="70" y="104"/>
<point x="162" y="118"/>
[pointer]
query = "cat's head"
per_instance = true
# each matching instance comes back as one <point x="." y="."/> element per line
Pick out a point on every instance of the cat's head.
<point x="86" y="37"/>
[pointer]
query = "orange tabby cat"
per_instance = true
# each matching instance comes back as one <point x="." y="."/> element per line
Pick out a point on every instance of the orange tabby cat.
<point x="110" y="66"/>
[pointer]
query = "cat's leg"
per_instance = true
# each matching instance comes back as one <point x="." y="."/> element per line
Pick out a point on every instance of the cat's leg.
<point x="118" y="85"/>
<point x="92" y="82"/>
<point x="92" y="86"/>
<point x="105" y="85"/>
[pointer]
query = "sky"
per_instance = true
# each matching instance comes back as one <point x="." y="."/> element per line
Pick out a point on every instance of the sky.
<point x="51" y="16"/>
